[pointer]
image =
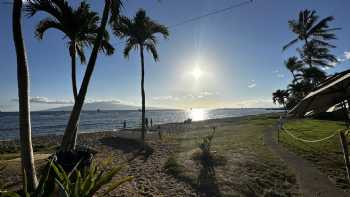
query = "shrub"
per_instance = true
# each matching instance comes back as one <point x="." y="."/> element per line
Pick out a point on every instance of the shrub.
<point x="171" y="166"/>
<point x="205" y="147"/>
<point x="83" y="184"/>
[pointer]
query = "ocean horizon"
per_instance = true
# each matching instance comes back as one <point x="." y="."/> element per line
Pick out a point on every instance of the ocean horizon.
<point x="54" y="122"/>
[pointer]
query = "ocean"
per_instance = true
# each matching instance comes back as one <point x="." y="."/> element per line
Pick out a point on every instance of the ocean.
<point x="54" y="123"/>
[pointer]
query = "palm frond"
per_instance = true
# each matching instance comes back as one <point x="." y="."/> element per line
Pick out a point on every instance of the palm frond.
<point x="150" y="47"/>
<point x="290" y="44"/>
<point x="158" y="28"/>
<point x="130" y="44"/>
<point x="81" y="53"/>
<point x="46" y="24"/>
<point x="106" y="47"/>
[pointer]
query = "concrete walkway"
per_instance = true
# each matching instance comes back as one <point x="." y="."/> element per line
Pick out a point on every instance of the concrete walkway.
<point x="311" y="181"/>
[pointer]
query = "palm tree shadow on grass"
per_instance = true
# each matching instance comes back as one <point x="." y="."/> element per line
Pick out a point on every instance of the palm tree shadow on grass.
<point x="129" y="146"/>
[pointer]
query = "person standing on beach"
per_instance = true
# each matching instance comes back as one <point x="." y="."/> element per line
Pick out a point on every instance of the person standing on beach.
<point x="146" y="122"/>
<point x="151" y="123"/>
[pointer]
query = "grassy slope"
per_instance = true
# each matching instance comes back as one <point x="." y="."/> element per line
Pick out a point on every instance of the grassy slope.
<point x="250" y="168"/>
<point x="326" y="155"/>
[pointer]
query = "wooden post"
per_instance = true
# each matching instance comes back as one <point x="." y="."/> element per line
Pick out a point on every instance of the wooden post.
<point x="278" y="135"/>
<point x="344" y="145"/>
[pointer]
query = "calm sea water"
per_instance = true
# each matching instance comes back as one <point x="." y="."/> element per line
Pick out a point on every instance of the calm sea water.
<point x="48" y="123"/>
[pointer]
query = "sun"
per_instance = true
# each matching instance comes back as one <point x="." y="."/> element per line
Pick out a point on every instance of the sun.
<point x="197" y="73"/>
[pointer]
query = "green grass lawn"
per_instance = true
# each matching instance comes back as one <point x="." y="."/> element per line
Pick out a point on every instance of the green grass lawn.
<point x="326" y="155"/>
<point x="245" y="167"/>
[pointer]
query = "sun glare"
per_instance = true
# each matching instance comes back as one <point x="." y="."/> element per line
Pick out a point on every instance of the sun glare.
<point x="197" y="73"/>
<point x="197" y="114"/>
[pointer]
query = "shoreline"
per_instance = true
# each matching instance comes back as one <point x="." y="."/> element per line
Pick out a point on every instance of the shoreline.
<point x="135" y="129"/>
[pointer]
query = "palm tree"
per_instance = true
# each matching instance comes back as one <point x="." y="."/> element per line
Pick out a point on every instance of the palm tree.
<point x="79" y="25"/>
<point x="317" y="55"/>
<point x="313" y="75"/>
<point x="111" y="7"/>
<point x="27" y="156"/>
<point x="307" y="28"/>
<point x="280" y="96"/>
<point x="300" y="89"/>
<point x="293" y="64"/>
<point x="140" y="34"/>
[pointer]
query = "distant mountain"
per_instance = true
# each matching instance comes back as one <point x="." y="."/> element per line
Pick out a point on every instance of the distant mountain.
<point x="103" y="106"/>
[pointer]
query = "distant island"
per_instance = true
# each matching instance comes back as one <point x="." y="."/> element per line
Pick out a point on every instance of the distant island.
<point x="103" y="106"/>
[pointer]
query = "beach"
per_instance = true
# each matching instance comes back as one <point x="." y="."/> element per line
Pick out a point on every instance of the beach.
<point x="244" y="167"/>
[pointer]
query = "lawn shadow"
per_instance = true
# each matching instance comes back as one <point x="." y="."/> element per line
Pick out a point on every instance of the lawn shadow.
<point x="129" y="146"/>
<point x="206" y="181"/>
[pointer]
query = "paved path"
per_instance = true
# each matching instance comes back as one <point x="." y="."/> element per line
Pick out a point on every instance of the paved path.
<point x="311" y="181"/>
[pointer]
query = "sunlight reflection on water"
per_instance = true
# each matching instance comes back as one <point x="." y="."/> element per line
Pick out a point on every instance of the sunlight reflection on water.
<point x="198" y="114"/>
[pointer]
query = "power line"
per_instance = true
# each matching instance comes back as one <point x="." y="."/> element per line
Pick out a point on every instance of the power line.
<point x="214" y="12"/>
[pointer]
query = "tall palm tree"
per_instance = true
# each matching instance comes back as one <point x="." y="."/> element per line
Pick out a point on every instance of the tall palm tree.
<point x="140" y="33"/>
<point x="111" y="8"/>
<point x="27" y="156"/>
<point x="293" y="64"/>
<point x="315" y="54"/>
<point x="307" y="28"/>
<point x="79" y="25"/>
<point x="280" y="97"/>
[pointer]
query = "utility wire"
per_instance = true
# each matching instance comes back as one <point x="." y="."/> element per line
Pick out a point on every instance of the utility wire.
<point x="214" y="12"/>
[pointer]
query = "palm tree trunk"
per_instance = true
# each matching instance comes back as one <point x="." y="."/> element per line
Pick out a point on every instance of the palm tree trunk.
<point x="27" y="156"/>
<point x="75" y="114"/>
<point x="73" y="53"/>
<point x="143" y="93"/>
<point x="74" y="65"/>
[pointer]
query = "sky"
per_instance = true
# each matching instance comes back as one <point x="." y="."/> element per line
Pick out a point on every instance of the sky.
<point x="232" y="59"/>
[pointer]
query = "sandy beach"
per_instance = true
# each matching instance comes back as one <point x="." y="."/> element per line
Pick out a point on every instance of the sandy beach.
<point x="246" y="161"/>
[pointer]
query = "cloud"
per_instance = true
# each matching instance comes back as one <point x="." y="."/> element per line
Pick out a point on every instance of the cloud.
<point x="347" y="55"/>
<point x="252" y="84"/>
<point x="200" y="95"/>
<point x="163" y="98"/>
<point x="280" y="75"/>
<point x="102" y="101"/>
<point x="45" y="100"/>
<point x="251" y="103"/>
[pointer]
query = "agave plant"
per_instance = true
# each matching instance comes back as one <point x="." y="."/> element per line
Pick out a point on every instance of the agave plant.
<point x="42" y="190"/>
<point x="74" y="184"/>
<point x="87" y="182"/>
